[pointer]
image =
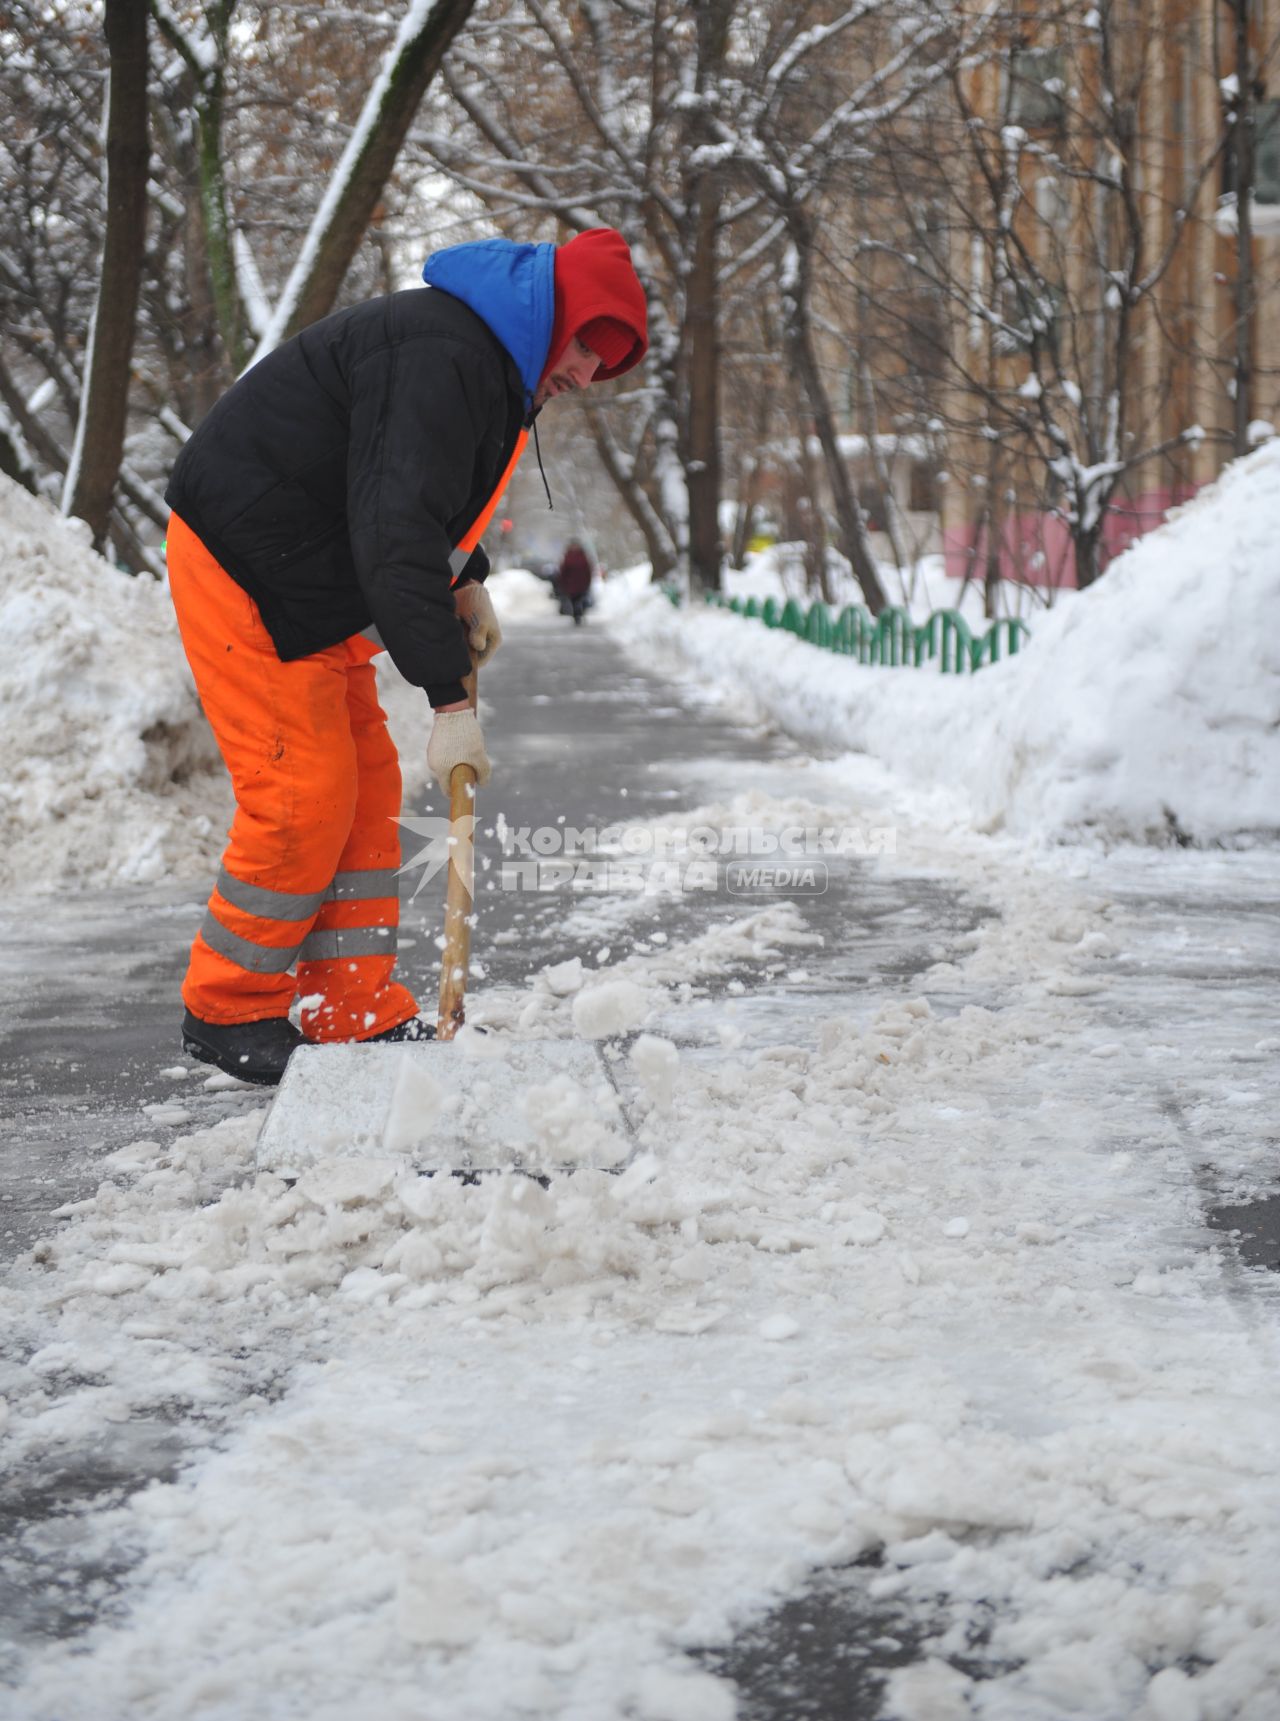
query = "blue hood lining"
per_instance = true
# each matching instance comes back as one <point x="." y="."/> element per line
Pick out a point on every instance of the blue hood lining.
<point x="512" y="288"/>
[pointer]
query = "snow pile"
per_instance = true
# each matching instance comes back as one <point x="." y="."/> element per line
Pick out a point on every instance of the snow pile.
<point x="1146" y="710"/>
<point x="1150" y="708"/>
<point x="108" y="772"/>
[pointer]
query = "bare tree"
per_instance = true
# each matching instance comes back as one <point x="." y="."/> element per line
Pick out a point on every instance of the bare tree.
<point x="796" y="299"/>
<point x="203" y="49"/>
<point x="597" y="115"/>
<point x="245" y="102"/>
<point x="1049" y="239"/>
<point x="359" y="180"/>
<point x="816" y="93"/>
<point x="708" y="135"/>
<point x="104" y="403"/>
<point x="623" y="448"/>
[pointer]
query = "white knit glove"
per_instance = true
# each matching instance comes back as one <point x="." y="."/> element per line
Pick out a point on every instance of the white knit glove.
<point x="456" y="739"/>
<point x="475" y="610"/>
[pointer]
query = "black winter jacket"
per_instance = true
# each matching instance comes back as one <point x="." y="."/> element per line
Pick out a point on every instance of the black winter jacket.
<point x="335" y="477"/>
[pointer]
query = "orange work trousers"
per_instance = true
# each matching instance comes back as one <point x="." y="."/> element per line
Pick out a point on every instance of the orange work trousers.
<point x="308" y="879"/>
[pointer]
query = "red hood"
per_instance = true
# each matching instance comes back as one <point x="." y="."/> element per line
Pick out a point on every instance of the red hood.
<point x="596" y="278"/>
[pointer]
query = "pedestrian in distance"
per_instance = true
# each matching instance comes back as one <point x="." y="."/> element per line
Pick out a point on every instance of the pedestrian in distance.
<point x="331" y="506"/>
<point x="573" y="581"/>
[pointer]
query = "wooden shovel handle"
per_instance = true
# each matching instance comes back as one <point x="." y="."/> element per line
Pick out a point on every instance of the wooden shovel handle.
<point x="460" y="895"/>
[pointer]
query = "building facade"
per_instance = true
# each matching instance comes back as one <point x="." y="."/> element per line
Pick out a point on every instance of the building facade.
<point x="1116" y="338"/>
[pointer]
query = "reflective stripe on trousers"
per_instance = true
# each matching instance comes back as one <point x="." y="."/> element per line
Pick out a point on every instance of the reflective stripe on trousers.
<point x="328" y="944"/>
<point x="288" y="906"/>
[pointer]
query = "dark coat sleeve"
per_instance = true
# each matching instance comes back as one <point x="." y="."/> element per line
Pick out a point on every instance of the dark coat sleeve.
<point x="427" y="416"/>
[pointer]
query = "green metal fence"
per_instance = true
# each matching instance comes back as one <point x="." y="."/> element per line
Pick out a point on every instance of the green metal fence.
<point x="891" y="639"/>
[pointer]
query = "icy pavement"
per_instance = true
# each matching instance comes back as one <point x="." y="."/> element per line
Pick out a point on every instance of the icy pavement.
<point x="914" y="1272"/>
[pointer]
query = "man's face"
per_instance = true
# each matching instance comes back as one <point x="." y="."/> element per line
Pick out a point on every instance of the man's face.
<point x="574" y="370"/>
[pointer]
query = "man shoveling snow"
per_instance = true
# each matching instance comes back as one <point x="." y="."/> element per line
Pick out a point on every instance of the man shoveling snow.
<point x="330" y="507"/>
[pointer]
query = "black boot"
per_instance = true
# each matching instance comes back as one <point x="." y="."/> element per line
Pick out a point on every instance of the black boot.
<point x="416" y="1028"/>
<point x="252" y="1051"/>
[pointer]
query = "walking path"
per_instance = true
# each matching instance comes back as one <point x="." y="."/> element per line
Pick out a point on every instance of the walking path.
<point x="914" y="1285"/>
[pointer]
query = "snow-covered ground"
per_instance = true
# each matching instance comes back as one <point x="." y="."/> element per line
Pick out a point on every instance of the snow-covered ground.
<point x="917" y="1270"/>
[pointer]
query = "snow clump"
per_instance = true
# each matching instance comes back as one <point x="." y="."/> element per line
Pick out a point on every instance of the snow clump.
<point x="610" y="1007"/>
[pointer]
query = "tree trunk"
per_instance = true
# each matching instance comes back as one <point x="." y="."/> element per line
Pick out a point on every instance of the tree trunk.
<point x="219" y="252"/>
<point x="1088" y="560"/>
<point x="884" y="478"/>
<point x="995" y="511"/>
<point x="817" y="575"/>
<point x="1245" y="148"/>
<point x="798" y="337"/>
<point x="700" y="337"/>
<point x="367" y="163"/>
<point x="750" y="476"/>
<point x="104" y="403"/>
<point x="702" y="424"/>
<point x="209" y="252"/>
<point x="744" y="516"/>
<point x="205" y="364"/>
<point x="991" y="569"/>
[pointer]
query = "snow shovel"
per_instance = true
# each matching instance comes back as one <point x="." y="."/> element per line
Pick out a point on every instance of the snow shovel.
<point x="466" y="1102"/>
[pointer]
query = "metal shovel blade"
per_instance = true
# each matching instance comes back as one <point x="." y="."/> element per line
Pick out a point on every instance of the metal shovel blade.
<point x="477" y="1103"/>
